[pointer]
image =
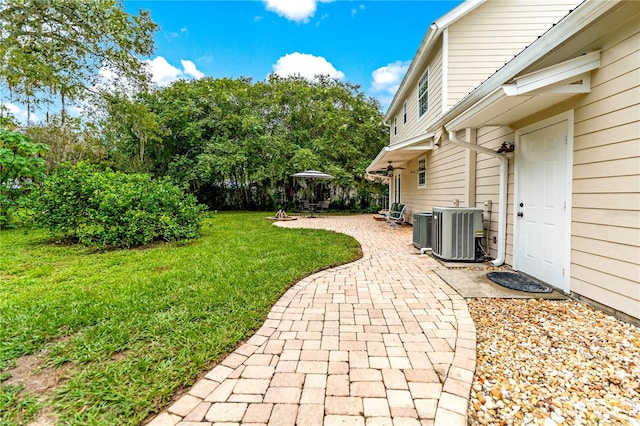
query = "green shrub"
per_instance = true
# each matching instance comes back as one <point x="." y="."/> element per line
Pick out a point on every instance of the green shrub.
<point x="113" y="209"/>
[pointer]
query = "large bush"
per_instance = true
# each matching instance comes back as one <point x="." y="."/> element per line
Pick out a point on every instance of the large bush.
<point x="114" y="209"/>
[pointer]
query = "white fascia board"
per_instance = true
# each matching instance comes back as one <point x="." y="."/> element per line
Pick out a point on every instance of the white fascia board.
<point x="378" y="158"/>
<point x="415" y="143"/>
<point x="457" y="13"/>
<point x="556" y="79"/>
<point x="565" y="72"/>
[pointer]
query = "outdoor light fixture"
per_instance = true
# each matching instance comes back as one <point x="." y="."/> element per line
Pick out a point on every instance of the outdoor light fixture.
<point x="506" y="147"/>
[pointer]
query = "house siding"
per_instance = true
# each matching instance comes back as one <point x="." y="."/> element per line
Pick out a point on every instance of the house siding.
<point x="445" y="180"/>
<point x="605" y="238"/>
<point x="416" y="126"/>
<point x="493" y="34"/>
<point x="488" y="186"/>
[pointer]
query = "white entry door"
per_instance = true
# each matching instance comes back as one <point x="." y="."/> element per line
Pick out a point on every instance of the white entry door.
<point x="541" y="204"/>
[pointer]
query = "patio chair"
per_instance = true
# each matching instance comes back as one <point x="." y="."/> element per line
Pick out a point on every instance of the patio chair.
<point x="384" y="213"/>
<point x="305" y="207"/>
<point x="396" y="217"/>
<point x="323" y="207"/>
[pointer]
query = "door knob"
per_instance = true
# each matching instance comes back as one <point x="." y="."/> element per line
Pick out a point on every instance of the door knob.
<point x="520" y="214"/>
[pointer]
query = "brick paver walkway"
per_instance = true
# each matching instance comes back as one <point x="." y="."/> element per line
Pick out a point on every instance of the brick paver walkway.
<point x="380" y="341"/>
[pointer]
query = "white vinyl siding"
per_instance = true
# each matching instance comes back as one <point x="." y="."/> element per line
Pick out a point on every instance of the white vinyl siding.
<point x="423" y="94"/>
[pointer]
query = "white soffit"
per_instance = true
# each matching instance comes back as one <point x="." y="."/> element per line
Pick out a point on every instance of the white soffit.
<point x="401" y="152"/>
<point x="530" y="93"/>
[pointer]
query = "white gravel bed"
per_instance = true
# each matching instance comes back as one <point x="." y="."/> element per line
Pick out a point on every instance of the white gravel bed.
<point x="552" y="362"/>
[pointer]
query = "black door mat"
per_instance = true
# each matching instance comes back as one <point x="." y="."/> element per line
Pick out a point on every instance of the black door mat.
<point x="518" y="282"/>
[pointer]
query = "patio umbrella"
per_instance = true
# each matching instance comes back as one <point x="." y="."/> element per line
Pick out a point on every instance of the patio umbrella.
<point x="312" y="174"/>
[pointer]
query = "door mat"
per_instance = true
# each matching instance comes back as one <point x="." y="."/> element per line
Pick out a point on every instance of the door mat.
<point x="518" y="282"/>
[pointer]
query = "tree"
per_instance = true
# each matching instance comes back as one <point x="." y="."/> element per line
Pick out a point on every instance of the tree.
<point x="236" y="143"/>
<point x="57" y="48"/>
<point x="137" y="136"/>
<point x="21" y="168"/>
<point x="70" y="142"/>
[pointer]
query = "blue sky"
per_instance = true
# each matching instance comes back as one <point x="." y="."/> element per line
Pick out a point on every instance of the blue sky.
<point x="369" y="42"/>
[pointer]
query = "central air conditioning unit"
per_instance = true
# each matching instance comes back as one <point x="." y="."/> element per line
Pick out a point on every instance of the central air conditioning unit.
<point x="455" y="230"/>
<point x="422" y="229"/>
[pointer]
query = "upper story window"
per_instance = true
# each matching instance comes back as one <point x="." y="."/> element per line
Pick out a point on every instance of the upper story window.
<point x="422" y="172"/>
<point x="404" y="113"/>
<point x="423" y="94"/>
<point x="395" y="125"/>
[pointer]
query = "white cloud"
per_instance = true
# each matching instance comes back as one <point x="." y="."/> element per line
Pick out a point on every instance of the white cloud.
<point x="106" y="74"/>
<point x="163" y="73"/>
<point x="294" y="10"/>
<point x="354" y="11"/>
<point x="76" y="110"/>
<point x="387" y="79"/>
<point x="308" y="66"/>
<point x="191" y="70"/>
<point x="20" y="113"/>
<point x="110" y="81"/>
<point x="173" y="35"/>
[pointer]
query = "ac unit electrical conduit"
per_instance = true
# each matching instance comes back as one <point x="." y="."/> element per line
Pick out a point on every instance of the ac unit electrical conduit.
<point x="502" y="197"/>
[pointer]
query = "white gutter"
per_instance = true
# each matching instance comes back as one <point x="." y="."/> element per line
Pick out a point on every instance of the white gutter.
<point x="502" y="197"/>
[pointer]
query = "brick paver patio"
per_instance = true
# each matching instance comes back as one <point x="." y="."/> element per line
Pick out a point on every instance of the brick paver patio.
<point x="380" y="341"/>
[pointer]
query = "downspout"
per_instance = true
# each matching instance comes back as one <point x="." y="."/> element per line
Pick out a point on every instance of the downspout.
<point x="502" y="197"/>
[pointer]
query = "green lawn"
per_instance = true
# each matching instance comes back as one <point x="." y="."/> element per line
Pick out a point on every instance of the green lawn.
<point x="125" y="329"/>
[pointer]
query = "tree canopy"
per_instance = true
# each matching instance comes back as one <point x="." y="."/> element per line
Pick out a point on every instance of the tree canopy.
<point x="58" y="48"/>
<point x="236" y="142"/>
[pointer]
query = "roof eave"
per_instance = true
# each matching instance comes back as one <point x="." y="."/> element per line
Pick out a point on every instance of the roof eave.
<point x="492" y="88"/>
<point x="401" y="152"/>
